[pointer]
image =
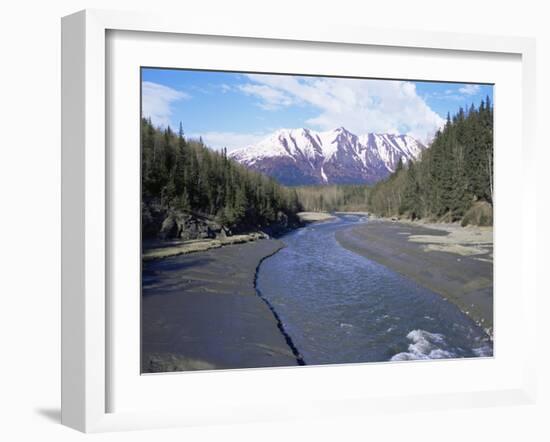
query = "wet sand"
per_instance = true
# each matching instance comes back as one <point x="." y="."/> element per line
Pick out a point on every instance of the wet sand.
<point x="463" y="278"/>
<point x="201" y="311"/>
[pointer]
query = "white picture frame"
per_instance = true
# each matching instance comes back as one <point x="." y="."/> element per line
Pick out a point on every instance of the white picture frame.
<point x="86" y="356"/>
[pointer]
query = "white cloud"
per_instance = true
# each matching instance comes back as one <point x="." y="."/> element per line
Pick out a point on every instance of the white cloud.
<point x="231" y="140"/>
<point x="156" y="102"/>
<point x="469" y="89"/>
<point x="225" y="88"/>
<point x="447" y="95"/>
<point x="270" y="97"/>
<point x="360" y="106"/>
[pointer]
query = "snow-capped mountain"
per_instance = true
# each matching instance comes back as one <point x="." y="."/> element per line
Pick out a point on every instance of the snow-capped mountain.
<point x="302" y="156"/>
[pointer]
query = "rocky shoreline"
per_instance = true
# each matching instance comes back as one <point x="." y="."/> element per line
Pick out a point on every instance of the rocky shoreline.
<point x="168" y="233"/>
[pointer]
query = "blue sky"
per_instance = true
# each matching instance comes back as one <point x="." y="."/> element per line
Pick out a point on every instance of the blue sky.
<point x="235" y="110"/>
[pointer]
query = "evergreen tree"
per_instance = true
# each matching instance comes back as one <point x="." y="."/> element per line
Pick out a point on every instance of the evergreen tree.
<point x="183" y="174"/>
<point x="453" y="173"/>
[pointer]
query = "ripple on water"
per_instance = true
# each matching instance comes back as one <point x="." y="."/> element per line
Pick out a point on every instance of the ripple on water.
<point x="340" y="307"/>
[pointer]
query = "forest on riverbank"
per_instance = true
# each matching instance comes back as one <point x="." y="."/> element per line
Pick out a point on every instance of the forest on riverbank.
<point x="190" y="191"/>
<point x="452" y="180"/>
<point x="333" y="198"/>
<point x="185" y="183"/>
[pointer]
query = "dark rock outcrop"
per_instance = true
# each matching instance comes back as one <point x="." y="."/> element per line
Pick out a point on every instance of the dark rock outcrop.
<point x="186" y="226"/>
<point x="174" y="224"/>
<point x="171" y="223"/>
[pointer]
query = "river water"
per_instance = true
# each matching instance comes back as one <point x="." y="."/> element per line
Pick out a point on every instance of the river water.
<point x="340" y="307"/>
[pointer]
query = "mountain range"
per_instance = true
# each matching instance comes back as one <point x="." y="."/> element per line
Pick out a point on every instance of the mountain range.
<point x="305" y="157"/>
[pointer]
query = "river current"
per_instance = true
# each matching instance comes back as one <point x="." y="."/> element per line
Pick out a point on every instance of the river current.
<point x="339" y="307"/>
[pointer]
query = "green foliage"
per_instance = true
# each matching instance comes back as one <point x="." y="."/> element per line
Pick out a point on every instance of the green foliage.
<point x="452" y="174"/>
<point x="183" y="174"/>
<point x="332" y="198"/>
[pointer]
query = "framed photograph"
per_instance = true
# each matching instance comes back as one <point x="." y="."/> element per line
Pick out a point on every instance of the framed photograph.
<point x="252" y="211"/>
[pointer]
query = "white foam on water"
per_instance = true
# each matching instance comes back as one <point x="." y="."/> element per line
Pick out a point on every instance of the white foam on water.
<point x="424" y="345"/>
<point x="483" y="351"/>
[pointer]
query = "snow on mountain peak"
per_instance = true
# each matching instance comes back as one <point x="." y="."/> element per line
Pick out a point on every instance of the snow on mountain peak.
<point x="302" y="156"/>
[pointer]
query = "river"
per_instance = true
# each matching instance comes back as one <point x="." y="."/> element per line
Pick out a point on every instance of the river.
<point x="340" y="307"/>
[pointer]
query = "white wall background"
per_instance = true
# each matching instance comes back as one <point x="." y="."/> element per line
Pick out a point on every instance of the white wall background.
<point x="30" y="216"/>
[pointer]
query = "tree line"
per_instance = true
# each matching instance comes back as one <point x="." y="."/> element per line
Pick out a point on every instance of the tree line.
<point x="451" y="176"/>
<point x="330" y="198"/>
<point x="179" y="173"/>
